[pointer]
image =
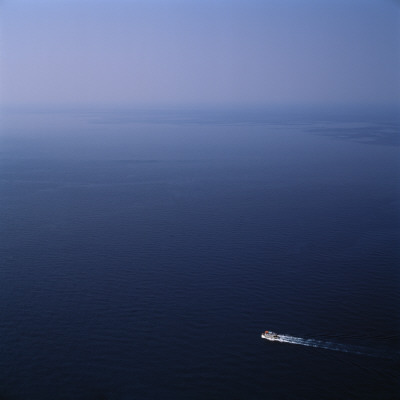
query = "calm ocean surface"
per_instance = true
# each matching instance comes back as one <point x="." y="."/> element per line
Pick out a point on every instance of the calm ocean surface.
<point x="144" y="252"/>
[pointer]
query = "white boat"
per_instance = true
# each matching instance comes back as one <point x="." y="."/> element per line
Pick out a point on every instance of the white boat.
<point x="270" y="335"/>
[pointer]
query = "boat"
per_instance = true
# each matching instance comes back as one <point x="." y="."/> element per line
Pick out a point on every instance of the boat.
<point x="270" y="335"/>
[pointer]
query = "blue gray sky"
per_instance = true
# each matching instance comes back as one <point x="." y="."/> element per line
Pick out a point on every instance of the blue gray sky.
<point x="200" y="52"/>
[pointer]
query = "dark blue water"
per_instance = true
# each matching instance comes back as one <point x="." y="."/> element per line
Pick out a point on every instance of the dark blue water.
<point x="144" y="252"/>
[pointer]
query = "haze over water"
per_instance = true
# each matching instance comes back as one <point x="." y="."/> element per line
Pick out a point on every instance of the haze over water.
<point x="177" y="177"/>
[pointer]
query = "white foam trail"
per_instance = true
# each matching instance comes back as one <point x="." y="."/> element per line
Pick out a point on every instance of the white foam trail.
<point x="335" y="346"/>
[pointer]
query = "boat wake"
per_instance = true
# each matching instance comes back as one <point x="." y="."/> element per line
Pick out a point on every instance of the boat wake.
<point x="345" y="348"/>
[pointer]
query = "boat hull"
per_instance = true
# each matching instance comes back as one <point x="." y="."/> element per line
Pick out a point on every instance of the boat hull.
<point x="272" y="337"/>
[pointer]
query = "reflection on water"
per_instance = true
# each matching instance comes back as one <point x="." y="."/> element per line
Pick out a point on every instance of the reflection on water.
<point x="387" y="134"/>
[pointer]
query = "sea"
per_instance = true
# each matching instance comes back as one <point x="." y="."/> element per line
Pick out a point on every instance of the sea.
<point x="144" y="251"/>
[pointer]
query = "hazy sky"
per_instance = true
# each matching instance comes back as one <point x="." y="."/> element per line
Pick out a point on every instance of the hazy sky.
<point x="198" y="52"/>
